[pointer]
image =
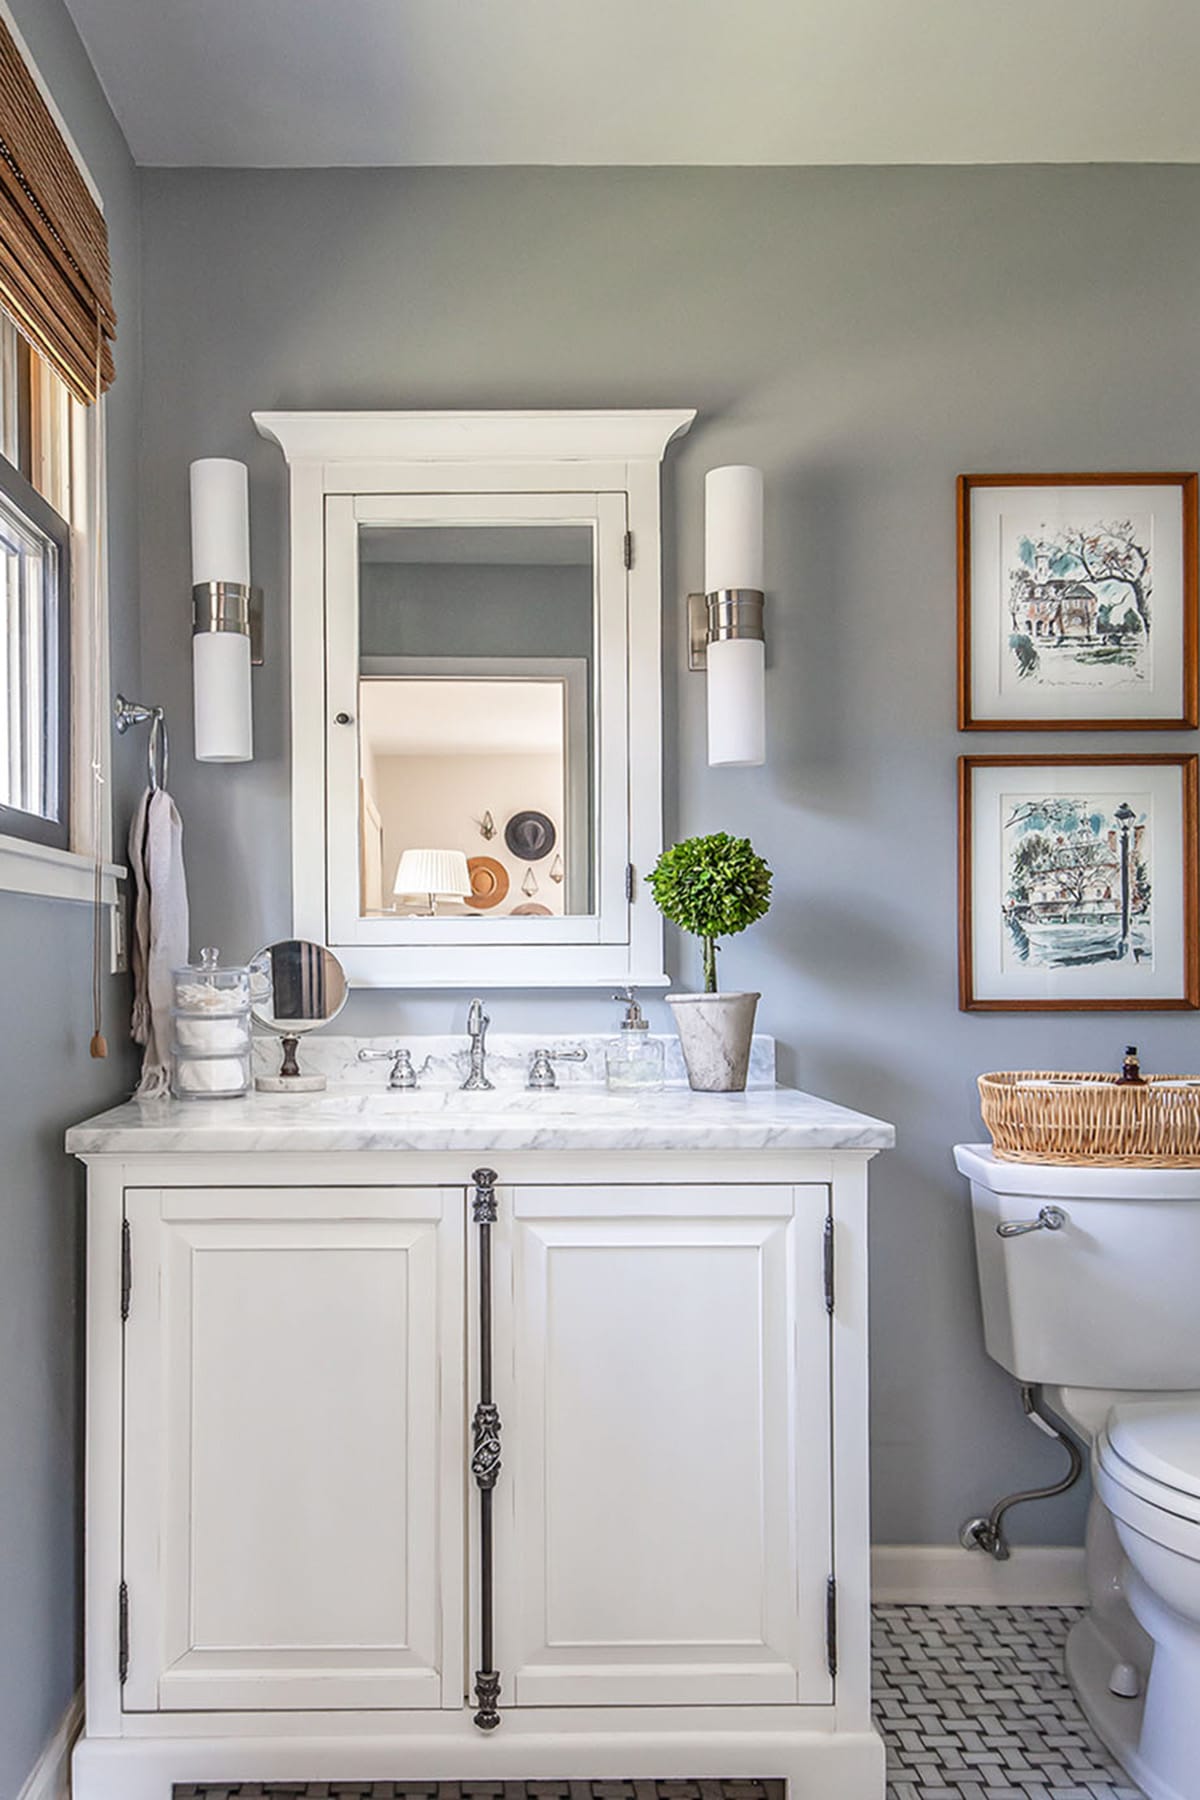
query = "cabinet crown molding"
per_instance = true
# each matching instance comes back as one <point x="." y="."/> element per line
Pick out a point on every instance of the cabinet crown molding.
<point x="631" y="436"/>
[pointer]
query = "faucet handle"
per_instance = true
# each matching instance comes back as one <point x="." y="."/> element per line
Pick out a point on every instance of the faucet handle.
<point x="541" y="1066"/>
<point x="402" y="1075"/>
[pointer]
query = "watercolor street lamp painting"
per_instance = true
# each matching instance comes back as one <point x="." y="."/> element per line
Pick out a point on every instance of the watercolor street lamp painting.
<point x="1077" y="880"/>
<point x="1077" y="602"/>
<point x="1078" y="883"/>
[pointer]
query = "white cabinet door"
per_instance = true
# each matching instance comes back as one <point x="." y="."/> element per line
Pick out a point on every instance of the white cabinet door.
<point x="663" y="1514"/>
<point x="293" y="1448"/>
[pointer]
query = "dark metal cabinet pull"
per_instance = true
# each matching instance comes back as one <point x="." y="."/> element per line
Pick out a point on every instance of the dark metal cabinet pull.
<point x="485" y="1456"/>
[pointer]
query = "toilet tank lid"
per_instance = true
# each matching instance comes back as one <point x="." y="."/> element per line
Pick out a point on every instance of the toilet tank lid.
<point x="1161" y="1439"/>
<point x="1080" y="1181"/>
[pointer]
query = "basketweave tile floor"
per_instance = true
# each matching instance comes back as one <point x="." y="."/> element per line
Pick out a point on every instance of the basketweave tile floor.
<point x="974" y="1705"/>
<point x="972" y="1702"/>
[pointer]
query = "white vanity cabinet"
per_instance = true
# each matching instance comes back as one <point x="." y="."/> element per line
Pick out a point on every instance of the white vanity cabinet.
<point x="373" y="1428"/>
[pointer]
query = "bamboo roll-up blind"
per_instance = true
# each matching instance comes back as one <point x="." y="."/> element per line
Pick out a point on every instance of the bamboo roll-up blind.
<point x="54" y="270"/>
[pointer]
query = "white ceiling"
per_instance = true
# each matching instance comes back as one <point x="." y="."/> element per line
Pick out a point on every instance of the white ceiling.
<point x="318" y="83"/>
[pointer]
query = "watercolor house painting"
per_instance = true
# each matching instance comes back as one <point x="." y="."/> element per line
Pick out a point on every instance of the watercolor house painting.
<point x="1079" y="605"/>
<point x="1078" y="886"/>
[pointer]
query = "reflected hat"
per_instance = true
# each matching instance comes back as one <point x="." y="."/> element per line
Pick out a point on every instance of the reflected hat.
<point x="530" y="835"/>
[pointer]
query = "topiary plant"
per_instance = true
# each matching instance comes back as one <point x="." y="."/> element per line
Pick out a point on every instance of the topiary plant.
<point x="711" y="887"/>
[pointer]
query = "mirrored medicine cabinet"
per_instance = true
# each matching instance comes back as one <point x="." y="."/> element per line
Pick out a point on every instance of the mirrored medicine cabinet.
<point x="476" y="693"/>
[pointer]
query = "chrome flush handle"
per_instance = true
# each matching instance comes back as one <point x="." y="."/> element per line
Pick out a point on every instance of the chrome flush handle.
<point x="1051" y="1218"/>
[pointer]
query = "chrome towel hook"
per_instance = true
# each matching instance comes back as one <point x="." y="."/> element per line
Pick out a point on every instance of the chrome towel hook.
<point x="158" y="750"/>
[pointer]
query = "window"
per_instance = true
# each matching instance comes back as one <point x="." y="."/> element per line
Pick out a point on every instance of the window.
<point x="35" y="587"/>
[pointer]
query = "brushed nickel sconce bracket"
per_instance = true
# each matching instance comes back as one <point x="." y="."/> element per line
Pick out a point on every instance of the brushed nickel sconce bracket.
<point x="230" y="606"/>
<point x="727" y="613"/>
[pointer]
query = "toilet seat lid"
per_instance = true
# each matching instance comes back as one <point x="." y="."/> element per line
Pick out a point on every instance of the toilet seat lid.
<point x="1160" y="1439"/>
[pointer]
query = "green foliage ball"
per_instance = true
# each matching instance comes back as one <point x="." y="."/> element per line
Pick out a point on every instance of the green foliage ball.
<point x="711" y="886"/>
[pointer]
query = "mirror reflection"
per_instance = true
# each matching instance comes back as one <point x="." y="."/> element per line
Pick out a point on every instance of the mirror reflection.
<point x="476" y="721"/>
<point x="295" y="986"/>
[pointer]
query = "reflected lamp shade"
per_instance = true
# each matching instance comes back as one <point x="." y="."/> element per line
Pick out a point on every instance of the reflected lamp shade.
<point x="220" y="498"/>
<point x="733" y="580"/>
<point x="441" y="874"/>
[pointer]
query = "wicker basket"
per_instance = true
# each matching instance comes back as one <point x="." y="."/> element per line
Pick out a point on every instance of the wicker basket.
<point x="1041" y="1117"/>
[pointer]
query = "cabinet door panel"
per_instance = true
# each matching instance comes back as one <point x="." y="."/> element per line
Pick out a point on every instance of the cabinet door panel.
<point x="664" y="1510"/>
<point x="293" y="1488"/>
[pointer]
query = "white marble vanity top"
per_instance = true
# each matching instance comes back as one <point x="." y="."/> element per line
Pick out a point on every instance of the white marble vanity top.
<point x="573" y="1119"/>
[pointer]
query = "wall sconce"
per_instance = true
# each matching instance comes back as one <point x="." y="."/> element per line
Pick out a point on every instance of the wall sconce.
<point x="725" y="623"/>
<point x="226" y="610"/>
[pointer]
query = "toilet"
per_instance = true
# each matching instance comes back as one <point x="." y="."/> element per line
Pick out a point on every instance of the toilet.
<point x="1098" y="1301"/>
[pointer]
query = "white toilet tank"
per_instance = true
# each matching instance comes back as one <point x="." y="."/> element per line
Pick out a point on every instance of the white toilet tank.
<point x="1111" y="1299"/>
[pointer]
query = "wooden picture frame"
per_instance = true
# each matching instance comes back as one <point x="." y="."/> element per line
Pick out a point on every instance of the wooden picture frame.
<point x="1077" y="602"/>
<point x="1098" y="855"/>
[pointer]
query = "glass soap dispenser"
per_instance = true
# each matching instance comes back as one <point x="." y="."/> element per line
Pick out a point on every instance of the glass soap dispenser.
<point x="634" y="1059"/>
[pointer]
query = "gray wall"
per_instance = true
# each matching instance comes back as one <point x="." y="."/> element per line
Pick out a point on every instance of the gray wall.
<point x="47" y="1078"/>
<point x="475" y="609"/>
<point x="864" y="335"/>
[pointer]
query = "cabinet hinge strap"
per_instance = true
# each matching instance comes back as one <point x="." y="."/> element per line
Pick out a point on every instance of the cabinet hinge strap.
<point x="126" y="1268"/>
<point x="629" y="549"/>
<point x="827" y="1254"/>
<point x="831" y="1643"/>
<point x="485" y="1457"/>
<point x="122" y="1633"/>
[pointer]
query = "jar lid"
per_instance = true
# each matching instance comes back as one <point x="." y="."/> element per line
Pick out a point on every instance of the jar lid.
<point x="210" y="970"/>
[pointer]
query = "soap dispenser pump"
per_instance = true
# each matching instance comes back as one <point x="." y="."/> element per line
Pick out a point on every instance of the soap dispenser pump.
<point x="634" y="1059"/>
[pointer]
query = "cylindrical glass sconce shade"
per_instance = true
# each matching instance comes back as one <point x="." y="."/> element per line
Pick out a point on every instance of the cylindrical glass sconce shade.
<point x="221" y="685"/>
<point x="733" y="528"/>
<point x="737" y="724"/>
<point x="220" y="521"/>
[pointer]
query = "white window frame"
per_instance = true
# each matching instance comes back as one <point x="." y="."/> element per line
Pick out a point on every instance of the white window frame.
<point x="41" y="870"/>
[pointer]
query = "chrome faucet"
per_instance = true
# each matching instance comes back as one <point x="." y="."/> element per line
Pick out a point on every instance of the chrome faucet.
<point x="477" y="1024"/>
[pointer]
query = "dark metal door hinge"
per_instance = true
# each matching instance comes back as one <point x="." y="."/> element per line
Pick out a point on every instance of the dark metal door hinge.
<point x="831" y="1645"/>
<point x="122" y="1633"/>
<point x="126" y="1268"/>
<point x="629" y="879"/>
<point x="828" y="1263"/>
<point x="629" y="549"/>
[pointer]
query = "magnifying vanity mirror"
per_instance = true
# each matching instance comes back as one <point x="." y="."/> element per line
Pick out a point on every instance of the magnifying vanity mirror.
<point x="476" y="611"/>
<point x="295" y="987"/>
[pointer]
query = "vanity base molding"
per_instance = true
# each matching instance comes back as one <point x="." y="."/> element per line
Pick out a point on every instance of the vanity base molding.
<point x="816" y="1764"/>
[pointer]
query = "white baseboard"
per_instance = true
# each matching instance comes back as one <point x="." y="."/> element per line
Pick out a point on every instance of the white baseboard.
<point x="943" y="1574"/>
<point x="50" y="1777"/>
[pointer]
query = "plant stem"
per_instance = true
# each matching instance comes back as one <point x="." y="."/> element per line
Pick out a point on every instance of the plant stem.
<point x="710" y="965"/>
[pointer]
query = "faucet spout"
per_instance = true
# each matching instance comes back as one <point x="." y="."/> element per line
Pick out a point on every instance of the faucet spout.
<point x="477" y="1024"/>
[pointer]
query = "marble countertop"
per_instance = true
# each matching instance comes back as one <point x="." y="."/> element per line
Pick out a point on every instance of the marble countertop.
<point x="513" y="1119"/>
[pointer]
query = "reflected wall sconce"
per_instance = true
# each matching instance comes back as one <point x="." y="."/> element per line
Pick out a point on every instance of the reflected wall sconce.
<point x="725" y="622"/>
<point x="226" y="611"/>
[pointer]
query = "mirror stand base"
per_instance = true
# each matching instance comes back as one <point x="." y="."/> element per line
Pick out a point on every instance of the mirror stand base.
<point x="289" y="1084"/>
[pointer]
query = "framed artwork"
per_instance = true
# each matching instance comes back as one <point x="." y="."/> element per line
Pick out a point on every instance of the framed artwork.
<point x="1078" y="884"/>
<point x="1077" y="605"/>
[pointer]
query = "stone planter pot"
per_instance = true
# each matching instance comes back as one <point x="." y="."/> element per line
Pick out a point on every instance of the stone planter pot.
<point x="715" y="1031"/>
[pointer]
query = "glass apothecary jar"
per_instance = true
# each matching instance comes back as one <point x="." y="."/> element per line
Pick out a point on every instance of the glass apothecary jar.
<point x="210" y="1030"/>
